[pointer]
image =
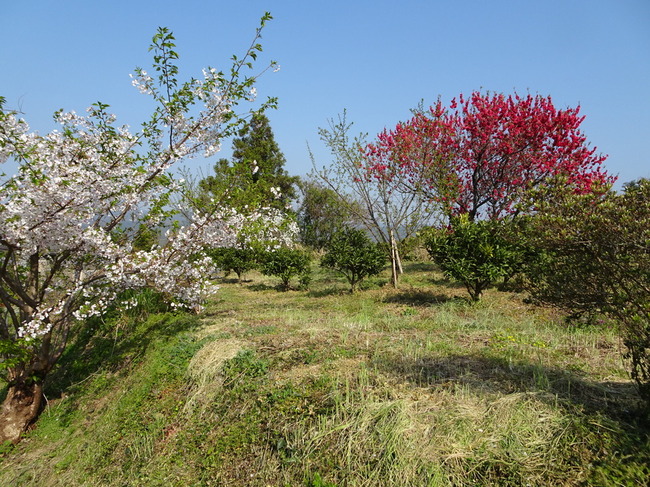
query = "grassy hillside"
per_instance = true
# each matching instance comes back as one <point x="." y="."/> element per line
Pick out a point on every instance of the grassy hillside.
<point x="413" y="387"/>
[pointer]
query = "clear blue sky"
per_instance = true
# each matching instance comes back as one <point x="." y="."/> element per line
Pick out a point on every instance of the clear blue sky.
<point x="377" y="59"/>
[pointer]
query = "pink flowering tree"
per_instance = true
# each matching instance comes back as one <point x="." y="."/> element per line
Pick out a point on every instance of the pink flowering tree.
<point x="483" y="154"/>
<point x="482" y="161"/>
<point x="70" y="214"/>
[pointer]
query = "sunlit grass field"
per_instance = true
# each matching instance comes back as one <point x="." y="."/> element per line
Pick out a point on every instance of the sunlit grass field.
<point x="319" y="387"/>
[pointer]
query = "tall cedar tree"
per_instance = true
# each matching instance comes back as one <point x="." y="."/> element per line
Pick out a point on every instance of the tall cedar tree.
<point x="255" y="176"/>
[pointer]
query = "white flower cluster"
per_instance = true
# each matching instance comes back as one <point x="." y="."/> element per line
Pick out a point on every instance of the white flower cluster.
<point x="62" y="213"/>
<point x="95" y="304"/>
<point x="266" y="228"/>
<point x="37" y="326"/>
<point x="13" y="135"/>
<point x="143" y="82"/>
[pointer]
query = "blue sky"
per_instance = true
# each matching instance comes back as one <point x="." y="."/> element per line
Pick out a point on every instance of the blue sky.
<point x="377" y="59"/>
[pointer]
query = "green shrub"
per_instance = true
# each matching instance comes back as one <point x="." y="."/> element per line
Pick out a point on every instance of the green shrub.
<point x="145" y="238"/>
<point x="237" y="260"/>
<point x="596" y="258"/>
<point x="245" y="365"/>
<point x="476" y="253"/>
<point x="286" y="263"/>
<point x="351" y="253"/>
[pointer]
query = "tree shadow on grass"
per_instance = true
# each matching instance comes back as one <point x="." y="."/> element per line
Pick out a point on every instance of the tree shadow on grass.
<point x="612" y="409"/>
<point x="104" y="352"/>
<point x="234" y="280"/>
<point x="329" y="291"/>
<point x="262" y="287"/>
<point x="420" y="297"/>
<point x="617" y="400"/>
<point x="446" y="282"/>
<point x="609" y="413"/>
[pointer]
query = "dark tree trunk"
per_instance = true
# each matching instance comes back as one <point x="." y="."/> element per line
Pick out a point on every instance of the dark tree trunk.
<point x="20" y="409"/>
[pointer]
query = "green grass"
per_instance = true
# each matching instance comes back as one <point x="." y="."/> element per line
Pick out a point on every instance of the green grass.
<point x="320" y="388"/>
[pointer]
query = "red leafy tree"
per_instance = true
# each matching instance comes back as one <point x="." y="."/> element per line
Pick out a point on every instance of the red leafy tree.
<point x="483" y="154"/>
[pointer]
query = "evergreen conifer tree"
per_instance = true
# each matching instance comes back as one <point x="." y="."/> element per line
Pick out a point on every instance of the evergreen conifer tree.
<point x="255" y="175"/>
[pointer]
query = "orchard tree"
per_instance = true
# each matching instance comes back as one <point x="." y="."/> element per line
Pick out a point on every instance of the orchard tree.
<point x="595" y="257"/>
<point x="483" y="154"/>
<point x="375" y="199"/>
<point x="236" y="259"/>
<point x="351" y="253"/>
<point x="287" y="263"/>
<point x="66" y="243"/>
<point x="255" y="177"/>
<point x="258" y="232"/>
<point x="486" y="157"/>
<point x="475" y="253"/>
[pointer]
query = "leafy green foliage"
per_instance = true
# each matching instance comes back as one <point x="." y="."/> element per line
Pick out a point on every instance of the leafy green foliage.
<point x="321" y="214"/>
<point x="474" y="253"/>
<point x="245" y="365"/>
<point x="237" y="260"/>
<point x="351" y="253"/>
<point x="145" y="238"/>
<point x="12" y="353"/>
<point x="286" y="263"/>
<point x="317" y="481"/>
<point x="255" y="177"/>
<point x="596" y="258"/>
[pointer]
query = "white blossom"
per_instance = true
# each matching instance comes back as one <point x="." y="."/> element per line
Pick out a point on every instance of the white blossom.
<point x="63" y="215"/>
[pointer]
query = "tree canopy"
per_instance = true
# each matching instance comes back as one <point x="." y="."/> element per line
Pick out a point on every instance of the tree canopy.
<point x="255" y="175"/>
<point x="351" y="253"/>
<point x="322" y="213"/>
<point x="595" y="258"/>
<point x="483" y="154"/>
<point x="375" y="200"/>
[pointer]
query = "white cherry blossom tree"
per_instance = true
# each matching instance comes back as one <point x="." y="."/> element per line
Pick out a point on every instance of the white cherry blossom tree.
<point x="69" y="215"/>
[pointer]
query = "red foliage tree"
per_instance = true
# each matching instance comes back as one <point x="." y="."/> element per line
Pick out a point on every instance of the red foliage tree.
<point x="483" y="154"/>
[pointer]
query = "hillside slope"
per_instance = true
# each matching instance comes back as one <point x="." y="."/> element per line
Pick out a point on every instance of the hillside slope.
<point x="411" y="387"/>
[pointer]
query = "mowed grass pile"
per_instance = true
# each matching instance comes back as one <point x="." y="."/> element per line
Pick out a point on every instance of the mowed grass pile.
<point x="408" y="387"/>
